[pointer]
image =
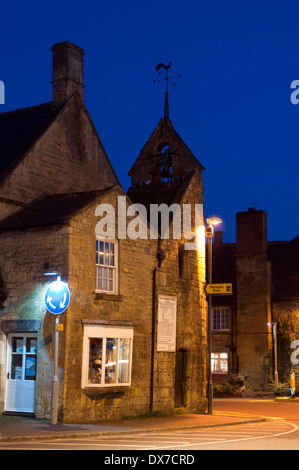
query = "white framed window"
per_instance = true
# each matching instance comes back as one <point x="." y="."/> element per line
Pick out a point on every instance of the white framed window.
<point x="106" y="275"/>
<point x="221" y="319"/>
<point x="219" y="363"/>
<point x="107" y="356"/>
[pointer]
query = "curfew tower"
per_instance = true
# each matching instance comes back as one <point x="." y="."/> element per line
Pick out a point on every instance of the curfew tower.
<point x="166" y="173"/>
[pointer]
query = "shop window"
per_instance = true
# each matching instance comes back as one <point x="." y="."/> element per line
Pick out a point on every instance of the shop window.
<point x="107" y="356"/>
<point x="106" y="267"/>
<point x="221" y="319"/>
<point x="219" y="363"/>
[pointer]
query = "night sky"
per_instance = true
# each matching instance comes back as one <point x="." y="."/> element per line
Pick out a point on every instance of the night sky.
<point x="231" y="106"/>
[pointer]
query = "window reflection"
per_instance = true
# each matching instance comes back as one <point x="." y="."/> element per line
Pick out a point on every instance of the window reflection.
<point x="124" y="361"/>
<point x="95" y="360"/>
<point x="111" y="356"/>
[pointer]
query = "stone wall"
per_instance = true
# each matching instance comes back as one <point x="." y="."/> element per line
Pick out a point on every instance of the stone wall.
<point x="192" y="307"/>
<point x="253" y="314"/>
<point x="134" y="304"/>
<point x="23" y="255"/>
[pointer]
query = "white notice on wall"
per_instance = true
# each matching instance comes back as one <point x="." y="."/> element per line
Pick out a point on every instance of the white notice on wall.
<point x="167" y="306"/>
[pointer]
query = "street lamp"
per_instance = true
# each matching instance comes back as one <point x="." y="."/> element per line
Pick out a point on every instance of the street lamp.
<point x="209" y="234"/>
<point x="274" y="333"/>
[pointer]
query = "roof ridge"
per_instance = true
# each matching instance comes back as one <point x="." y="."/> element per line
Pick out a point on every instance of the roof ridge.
<point x="19" y="219"/>
<point x="28" y="108"/>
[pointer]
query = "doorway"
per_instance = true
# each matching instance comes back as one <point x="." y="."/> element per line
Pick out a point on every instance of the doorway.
<point x="21" y="372"/>
<point x="180" y="378"/>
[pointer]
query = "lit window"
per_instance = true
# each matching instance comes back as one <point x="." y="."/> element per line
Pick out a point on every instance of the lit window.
<point x="106" y="266"/>
<point x="107" y="356"/>
<point x="220" y="319"/>
<point x="219" y="363"/>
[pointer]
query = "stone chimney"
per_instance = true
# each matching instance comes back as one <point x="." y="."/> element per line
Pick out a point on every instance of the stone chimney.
<point x="67" y="70"/>
<point x="253" y="294"/>
<point x="251" y="232"/>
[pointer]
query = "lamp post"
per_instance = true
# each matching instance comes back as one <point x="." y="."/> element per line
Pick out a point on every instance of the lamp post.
<point x="209" y="234"/>
<point x="274" y="336"/>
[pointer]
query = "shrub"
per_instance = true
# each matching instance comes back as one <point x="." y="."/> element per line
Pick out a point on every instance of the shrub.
<point x="221" y="390"/>
<point x="239" y="380"/>
<point x="283" y="390"/>
<point x="235" y="386"/>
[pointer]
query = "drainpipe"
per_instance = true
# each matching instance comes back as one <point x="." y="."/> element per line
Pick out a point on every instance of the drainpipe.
<point x="160" y="256"/>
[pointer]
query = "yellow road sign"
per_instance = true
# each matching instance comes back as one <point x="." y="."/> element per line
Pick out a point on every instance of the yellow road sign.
<point x="220" y="289"/>
<point x="59" y="326"/>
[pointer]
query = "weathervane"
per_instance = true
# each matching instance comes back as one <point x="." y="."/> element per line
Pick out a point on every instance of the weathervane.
<point x="166" y="79"/>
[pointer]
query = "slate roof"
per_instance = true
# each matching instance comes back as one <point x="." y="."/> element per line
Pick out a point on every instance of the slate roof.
<point x="51" y="210"/>
<point x="19" y="131"/>
<point x="284" y="257"/>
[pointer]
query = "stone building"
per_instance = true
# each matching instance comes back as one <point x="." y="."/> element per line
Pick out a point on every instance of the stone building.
<point x="265" y="290"/>
<point x="134" y="332"/>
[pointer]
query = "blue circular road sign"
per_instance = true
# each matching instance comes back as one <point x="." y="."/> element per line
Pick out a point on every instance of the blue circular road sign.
<point x="57" y="297"/>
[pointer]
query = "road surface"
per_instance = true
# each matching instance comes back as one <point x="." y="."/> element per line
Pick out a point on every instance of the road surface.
<point x="279" y="432"/>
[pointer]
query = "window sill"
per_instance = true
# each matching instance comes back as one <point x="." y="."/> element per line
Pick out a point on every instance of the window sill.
<point x="101" y="389"/>
<point x="104" y="296"/>
<point x="220" y="331"/>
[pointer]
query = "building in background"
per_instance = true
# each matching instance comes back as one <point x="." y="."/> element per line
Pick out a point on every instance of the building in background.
<point x="265" y="277"/>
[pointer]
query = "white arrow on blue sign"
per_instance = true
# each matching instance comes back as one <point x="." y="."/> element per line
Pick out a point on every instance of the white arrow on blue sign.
<point x="57" y="297"/>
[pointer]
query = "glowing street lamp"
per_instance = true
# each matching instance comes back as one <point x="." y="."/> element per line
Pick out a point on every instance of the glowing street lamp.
<point x="211" y="221"/>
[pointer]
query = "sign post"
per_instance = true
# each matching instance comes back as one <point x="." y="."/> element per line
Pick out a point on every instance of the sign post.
<point x="220" y="289"/>
<point x="57" y="299"/>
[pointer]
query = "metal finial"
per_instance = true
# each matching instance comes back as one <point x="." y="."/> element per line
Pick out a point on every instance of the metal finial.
<point x="166" y="79"/>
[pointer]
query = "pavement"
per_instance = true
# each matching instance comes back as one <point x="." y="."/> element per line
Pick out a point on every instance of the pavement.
<point x="25" y="428"/>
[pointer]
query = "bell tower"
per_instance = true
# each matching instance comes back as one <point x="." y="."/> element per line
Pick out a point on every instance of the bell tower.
<point x="165" y="159"/>
<point x="167" y="173"/>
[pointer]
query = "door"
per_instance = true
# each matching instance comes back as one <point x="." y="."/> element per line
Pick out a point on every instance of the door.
<point x="21" y="372"/>
<point x="180" y="378"/>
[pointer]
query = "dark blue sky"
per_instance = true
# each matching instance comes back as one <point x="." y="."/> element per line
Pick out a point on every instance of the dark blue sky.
<point x="232" y="105"/>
